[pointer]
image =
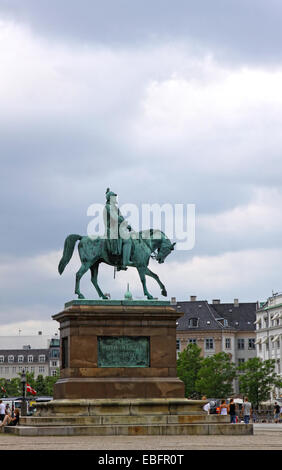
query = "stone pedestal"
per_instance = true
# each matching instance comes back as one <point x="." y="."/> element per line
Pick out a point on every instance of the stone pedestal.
<point x="118" y="377"/>
<point x="118" y="349"/>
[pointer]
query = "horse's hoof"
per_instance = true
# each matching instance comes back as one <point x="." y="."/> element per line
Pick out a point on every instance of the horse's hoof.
<point x="164" y="293"/>
<point x="104" y="297"/>
<point x="80" y="296"/>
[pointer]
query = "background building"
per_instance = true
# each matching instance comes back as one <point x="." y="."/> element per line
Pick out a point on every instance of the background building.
<point x="217" y="327"/>
<point x="268" y="333"/>
<point x="38" y="354"/>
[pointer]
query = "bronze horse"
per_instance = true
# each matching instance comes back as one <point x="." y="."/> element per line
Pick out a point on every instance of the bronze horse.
<point x="148" y="244"/>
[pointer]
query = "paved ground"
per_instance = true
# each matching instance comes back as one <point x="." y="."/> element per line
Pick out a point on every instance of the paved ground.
<point x="266" y="437"/>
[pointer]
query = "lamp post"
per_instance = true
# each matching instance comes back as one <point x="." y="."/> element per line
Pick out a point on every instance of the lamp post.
<point x="23" y="381"/>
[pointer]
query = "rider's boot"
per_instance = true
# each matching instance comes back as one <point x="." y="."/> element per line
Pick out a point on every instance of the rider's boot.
<point x="126" y="255"/>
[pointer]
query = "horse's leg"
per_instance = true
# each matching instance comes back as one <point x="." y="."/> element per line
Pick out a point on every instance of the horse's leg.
<point x="94" y="276"/>
<point x="141" y="272"/>
<point x="79" y="274"/>
<point x="156" y="277"/>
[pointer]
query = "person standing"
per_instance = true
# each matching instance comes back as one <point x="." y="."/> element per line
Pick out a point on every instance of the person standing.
<point x="276" y="412"/>
<point x="2" y="410"/>
<point x="232" y="411"/>
<point x="247" y="409"/>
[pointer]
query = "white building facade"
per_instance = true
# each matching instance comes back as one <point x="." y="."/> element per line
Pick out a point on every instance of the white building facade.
<point x="37" y="354"/>
<point x="269" y="335"/>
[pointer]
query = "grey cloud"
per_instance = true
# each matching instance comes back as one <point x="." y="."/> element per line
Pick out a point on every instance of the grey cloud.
<point x="242" y="29"/>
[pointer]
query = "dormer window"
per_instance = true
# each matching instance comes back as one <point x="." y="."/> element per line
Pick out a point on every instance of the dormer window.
<point x="193" y="322"/>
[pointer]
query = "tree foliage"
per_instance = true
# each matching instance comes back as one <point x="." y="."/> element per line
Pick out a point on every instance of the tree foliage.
<point x="13" y="387"/>
<point x="188" y="365"/>
<point x="257" y="379"/>
<point x="216" y="375"/>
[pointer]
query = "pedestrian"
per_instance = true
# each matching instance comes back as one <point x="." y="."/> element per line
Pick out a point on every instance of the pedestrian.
<point x="223" y="408"/>
<point x="232" y="411"/>
<point x="207" y="408"/>
<point x="247" y="410"/>
<point x="276" y="412"/>
<point x="9" y="421"/>
<point x="2" y="410"/>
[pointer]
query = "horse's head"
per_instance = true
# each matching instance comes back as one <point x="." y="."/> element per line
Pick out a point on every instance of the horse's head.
<point x="164" y="250"/>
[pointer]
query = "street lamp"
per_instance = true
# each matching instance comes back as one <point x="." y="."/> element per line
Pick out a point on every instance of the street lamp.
<point x="23" y="381"/>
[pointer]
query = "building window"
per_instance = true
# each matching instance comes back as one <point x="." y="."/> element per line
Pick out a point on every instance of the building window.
<point x="41" y="369"/>
<point x="20" y="358"/>
<point x="192" y="341"/>
<point x="54" y="373"/>
<point x="251" y="343"/>
<point x="1" y="358"/>
<point x="10" y="358"/>
<point x="42" y="358"/>
<point x="227" y="343"/>
<point x="193" y="323"/>
<point x="29" y="358"/>
<point x="209" y="344"/>
<point x="178" y="344"/>
<point x="241" y="343"/>
<point x="278" y="366"/>
<point x="241" y="361"/>
<point x="55" y="353"/>
<point x="54" y="364"/>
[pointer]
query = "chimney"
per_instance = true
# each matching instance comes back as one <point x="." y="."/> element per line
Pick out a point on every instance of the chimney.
<point x="216" y="301"/>
<point x="236" y="302"/>
<point x="193" y="298"/>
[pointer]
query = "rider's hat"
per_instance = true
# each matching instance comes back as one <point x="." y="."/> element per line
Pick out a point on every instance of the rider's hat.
<point x="109" y="193"/>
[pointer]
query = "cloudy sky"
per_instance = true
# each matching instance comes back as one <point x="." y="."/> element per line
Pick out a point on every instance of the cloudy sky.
<point x="165" y="102"/>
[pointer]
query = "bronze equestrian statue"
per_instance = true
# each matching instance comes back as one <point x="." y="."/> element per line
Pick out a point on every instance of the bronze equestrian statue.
<point x="120" y="247"/>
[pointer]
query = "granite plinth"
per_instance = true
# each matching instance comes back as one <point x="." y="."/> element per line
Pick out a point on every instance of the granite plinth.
<point x="83" y="323"/>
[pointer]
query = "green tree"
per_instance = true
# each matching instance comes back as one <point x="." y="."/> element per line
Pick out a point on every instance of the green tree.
<point x="13" y="387"/>
<point x="258" y="379"/>
<point x="49" y="383"/>
<point x="216" y="375"/>
<point x="40" y="385"/>
<point x="188" y="365"/>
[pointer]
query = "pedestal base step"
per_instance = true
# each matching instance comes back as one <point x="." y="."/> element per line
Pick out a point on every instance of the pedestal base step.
<point x="133" y="430"/>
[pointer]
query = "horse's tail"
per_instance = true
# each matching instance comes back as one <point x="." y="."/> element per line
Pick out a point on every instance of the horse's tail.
<point x="69" y="245"/>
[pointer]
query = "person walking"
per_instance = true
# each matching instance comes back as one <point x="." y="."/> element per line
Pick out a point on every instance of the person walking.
<point x="232" y="411"/>
<point x="247" y="410"/>
<point x="2" y="410"/>
<point x="276" y="412"/>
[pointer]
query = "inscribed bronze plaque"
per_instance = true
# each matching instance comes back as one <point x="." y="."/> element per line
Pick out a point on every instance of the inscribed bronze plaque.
<point x="123" y="351"/>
